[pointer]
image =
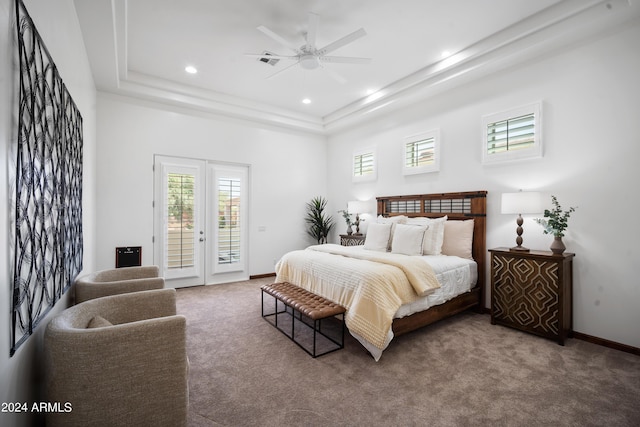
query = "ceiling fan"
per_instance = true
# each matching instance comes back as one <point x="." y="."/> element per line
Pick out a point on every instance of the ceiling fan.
<point x="308" y="55"/>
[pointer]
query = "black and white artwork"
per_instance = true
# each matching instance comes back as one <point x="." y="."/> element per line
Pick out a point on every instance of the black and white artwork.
<point x="48" y="248"/>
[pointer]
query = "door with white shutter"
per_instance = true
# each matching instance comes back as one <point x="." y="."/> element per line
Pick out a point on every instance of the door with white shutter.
<point x="179" y="223"/>
<point x="227" y="234"/>
<point x="200" y="221"/>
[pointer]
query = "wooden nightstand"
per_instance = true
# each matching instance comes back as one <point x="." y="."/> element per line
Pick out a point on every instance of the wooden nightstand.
<point x="352" y="239"/>
<point x="532" y="291"/>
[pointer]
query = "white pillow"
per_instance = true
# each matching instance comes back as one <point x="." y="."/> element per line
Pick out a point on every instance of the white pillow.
<point x="434" y="236"/>
<point x="458" y="238"/>
<point x="393" y="220"/>
<point x="407" y="239"/>
<point x="398" y="219"/>
<point x="377" y="237"/>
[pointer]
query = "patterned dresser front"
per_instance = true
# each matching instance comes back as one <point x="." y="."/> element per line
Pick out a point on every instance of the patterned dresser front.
<point x="352" y="239"/>
<point x="532" y="291"/>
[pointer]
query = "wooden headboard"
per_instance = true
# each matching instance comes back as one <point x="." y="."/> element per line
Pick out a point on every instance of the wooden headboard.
<point x="457" y="206"/>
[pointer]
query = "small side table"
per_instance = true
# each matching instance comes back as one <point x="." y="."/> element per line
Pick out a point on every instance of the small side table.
<point x="532" y="291"/>
<point x="352" y="239"/>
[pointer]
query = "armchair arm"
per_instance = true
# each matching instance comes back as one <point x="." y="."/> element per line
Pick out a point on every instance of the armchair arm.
<point x="127" y="273"/>
<point x="136" y="306"/>
<point x="86" y="290"/>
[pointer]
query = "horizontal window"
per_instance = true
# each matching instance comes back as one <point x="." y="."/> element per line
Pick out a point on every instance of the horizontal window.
<point x="422" y="153"/>
<point x="364" y="165"/>
<point x="512" y="135"/>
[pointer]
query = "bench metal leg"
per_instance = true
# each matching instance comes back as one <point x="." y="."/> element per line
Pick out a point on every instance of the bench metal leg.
<point x="316" y="326"/>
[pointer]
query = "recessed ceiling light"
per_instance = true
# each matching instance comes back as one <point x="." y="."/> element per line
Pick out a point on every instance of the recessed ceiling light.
<point x="373" y="94"/>
<point x="190" y="69"/>
<point x="306" y="101"/>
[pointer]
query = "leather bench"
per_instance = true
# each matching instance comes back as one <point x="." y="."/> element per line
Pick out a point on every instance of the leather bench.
<point x="308" y="309"/>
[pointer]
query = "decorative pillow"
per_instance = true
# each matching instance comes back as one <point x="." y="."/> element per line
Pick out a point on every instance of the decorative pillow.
<point x="98" y="322"/>
<point x="458" y="238"/>
<point x="434" y="236"/>
<point x="377" y="237"/>
<point x="398" y="219"/>
<point x="407" y="239"/>
<point x="393" y="220"/>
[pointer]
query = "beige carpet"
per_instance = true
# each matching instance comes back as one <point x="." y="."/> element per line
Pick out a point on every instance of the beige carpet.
<point x="458" y="372"/>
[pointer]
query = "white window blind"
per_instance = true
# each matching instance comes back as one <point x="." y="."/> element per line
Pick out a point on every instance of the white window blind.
<point x="364" y="165"/>
<point x="421" y="153"/>
<point x="513" y="135"/>
<point x="229" y="220"/>
<point x="180" y="219"/>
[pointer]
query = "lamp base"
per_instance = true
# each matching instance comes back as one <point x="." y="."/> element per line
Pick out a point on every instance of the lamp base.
<point x="519" y="249"/>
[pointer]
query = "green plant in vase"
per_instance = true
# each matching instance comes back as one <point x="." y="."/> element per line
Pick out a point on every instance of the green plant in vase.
<point x="555" y="222"/>
<point x="347" y="218"/>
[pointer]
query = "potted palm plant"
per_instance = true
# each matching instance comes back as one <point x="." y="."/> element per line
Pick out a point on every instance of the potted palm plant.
<point x="556" y="223"/>
<point x="318" y="223"/>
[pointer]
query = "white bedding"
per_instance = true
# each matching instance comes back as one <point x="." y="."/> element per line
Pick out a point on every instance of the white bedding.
<point x="455" y="276"/>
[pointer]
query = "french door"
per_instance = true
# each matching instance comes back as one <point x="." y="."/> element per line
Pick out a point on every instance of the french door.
<point x="200" y="221"/>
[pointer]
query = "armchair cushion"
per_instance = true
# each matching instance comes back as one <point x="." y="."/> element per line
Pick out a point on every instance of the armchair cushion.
<point x="98" y="322"/>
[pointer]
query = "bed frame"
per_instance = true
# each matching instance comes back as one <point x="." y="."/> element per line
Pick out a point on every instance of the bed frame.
<point x="458" y="207"/>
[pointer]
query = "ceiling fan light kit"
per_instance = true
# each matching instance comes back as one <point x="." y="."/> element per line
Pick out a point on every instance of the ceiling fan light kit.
<point x="309" y="61"/>
<point x="308" y="56"/>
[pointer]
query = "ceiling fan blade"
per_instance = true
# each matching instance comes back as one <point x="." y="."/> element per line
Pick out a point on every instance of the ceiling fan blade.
<point x="312" y="30"/>
<point x="269" y="56"/>
<point x="277" y="38"/>
<point x="343" y="41"/>
<point x="345" y="59"/>
<point x="280" y="71"/>
<point x="337" y="77"/>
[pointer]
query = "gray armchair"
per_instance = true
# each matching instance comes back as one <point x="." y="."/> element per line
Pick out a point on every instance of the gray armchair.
<point x="119" y="360"/>
<point x="118" y="281"/>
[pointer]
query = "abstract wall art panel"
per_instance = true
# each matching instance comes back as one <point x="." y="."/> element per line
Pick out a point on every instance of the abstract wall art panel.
<point x="48" y="248"/>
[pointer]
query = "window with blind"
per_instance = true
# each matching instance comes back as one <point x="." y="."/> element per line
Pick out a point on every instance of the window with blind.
<point x="180" y="219"/>
<point x="229" y="220"/>
<point x="364" y="165"/>
<point x="229" y="216"/>
<point x="421" y="153"/>
<point x="512" y="135"/>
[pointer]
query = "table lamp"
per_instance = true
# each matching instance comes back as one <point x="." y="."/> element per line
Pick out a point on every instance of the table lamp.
<point x="522" y="202"/>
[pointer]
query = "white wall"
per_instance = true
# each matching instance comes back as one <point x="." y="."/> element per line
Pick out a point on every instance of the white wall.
<point x="20" y="375"/>
<point x="591" y="107"/>
<point x="287" y="169"/>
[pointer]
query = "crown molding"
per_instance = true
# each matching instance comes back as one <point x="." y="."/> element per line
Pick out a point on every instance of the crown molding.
<point x="549" y="30"/>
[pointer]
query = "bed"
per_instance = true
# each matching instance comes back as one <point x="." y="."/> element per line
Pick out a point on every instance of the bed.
<point x="431" y="266"/>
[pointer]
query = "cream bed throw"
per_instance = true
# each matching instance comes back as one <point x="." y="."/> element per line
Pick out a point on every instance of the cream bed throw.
<point x="371" y="285"/>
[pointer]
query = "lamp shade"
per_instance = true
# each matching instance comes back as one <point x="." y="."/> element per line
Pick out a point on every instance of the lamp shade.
<point x="358" y="207"/>
<point x="523" y="202"/>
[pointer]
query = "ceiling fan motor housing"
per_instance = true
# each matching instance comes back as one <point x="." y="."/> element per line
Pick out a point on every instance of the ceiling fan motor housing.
<point x="309" y="61"/>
